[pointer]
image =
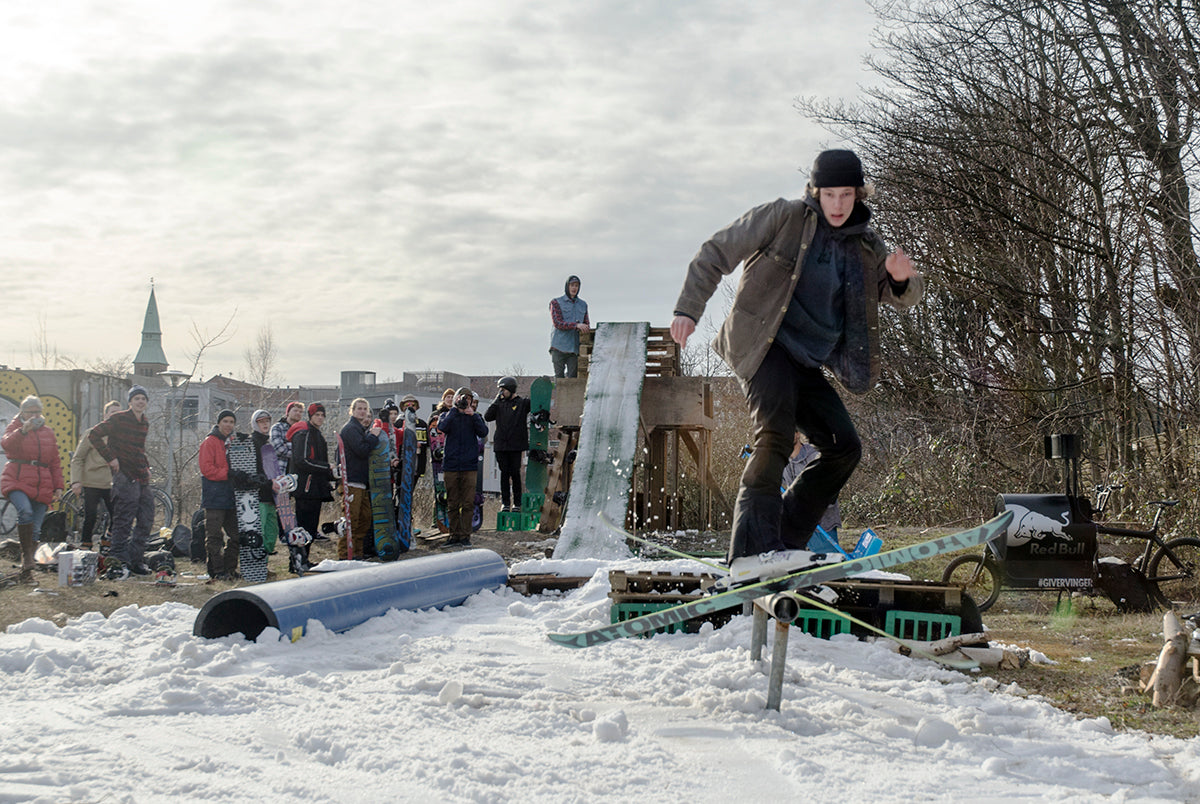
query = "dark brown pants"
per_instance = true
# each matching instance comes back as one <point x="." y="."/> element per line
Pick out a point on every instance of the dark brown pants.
<point x="222" y="547"/>
<point x="460" y="502"/>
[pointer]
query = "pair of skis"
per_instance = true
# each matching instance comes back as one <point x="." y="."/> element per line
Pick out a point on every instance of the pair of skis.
<point x="793" y="582"/>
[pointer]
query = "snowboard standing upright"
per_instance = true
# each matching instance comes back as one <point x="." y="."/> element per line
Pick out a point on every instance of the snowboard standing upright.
<point x="341" y="449"/>
<point x="252" y="555"/>
<point x="477" y="514"/>
<point x="539" y="435"/>
<point x="284" y="508"/>
<point x="383" y="514"/>
<point x="407" y="481"/>
<point x="437" y="450"/>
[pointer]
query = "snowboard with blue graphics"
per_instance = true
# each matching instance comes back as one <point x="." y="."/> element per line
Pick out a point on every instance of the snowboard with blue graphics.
<point x="407" y="481"/>
<point x="379" y="481"/>
<point x="648" y="623"/>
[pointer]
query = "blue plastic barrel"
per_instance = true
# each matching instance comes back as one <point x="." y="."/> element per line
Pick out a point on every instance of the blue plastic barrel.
<point x="346" y="598"/>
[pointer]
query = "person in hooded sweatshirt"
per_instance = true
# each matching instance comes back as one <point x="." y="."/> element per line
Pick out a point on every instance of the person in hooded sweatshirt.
<point x="217" y="500"/>
<point x="808" y="301"/>
<point x="569" y="315"/>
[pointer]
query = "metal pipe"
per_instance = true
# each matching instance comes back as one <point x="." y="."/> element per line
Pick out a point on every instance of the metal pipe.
<point x="784" y="606"/>
<point x="341" y="600"/>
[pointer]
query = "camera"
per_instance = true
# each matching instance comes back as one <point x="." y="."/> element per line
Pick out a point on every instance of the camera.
<point x="463" y="402"/>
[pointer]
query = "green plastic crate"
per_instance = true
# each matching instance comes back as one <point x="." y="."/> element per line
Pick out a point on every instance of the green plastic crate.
<point x="517" y="520"/>
<point x="627" y="611"/>
<point x="821" y="624"/>
<point x="922" y="626"/>
<point x="531" y="502"/>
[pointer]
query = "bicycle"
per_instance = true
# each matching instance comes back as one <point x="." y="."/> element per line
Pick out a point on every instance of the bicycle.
<point x="8" y="517"/>
<point x="1174" y="567"/>
<point x="1171" y="569"/>
<point x="164" y="513"/>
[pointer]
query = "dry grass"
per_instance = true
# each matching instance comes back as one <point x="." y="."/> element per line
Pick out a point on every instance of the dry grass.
<point x="1096" y="650"/>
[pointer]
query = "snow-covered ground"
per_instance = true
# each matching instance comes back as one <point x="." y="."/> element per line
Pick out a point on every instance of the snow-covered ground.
<point x="475" y="704"/>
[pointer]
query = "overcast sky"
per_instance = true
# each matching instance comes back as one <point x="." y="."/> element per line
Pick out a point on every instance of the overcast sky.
<point x="393" y="186"/>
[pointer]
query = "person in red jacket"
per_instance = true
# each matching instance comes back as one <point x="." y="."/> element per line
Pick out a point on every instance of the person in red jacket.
<point x="32" y="478"/>
<point x="217" y="500"/>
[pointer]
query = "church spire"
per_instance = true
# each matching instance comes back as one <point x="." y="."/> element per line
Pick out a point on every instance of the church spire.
<point x="150" y="359"/>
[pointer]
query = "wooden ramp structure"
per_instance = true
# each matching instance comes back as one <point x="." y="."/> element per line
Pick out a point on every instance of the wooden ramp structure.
<point x="669" y="420"/>
<point x="608" y="441"/>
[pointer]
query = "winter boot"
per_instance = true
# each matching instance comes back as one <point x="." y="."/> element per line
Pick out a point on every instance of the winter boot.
<point x="28" y="548"/>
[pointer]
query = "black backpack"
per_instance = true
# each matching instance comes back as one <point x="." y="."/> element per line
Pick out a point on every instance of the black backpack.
<point x="54" y="527"/>
<point x="196" y="548"/>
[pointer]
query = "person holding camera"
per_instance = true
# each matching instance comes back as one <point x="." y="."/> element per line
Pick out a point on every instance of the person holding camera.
<point x="463" y="428"/>
<point x="32" y="478"/>
<point x="510" y="412"/>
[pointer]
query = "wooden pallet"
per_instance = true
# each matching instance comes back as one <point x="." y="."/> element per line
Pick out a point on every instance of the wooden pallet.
<point x="536" y="584"/>
<point x="662" y="353"/>
<point x="659" y="585"/>
<point x="919" y="595"/>
<point x="558" y="481"/>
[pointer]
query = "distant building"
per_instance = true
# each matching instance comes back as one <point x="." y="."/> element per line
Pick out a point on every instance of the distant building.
<point x="150" y="360"/>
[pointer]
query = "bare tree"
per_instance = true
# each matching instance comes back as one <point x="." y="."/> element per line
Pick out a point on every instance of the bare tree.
<point x="181" y="453"/>
<point x="1033" y="157"/>
<point x="113" y="367"/>
<point x="44" y="354"/>
<point x="261" y="363"/>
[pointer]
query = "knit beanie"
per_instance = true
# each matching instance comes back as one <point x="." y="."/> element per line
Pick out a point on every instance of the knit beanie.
<point x="837" y="168"/>
<point x="135" y="390"/>
<point x="227" y="413"/>
<point x="315" y="408"/>
<point x="291" y="405"/>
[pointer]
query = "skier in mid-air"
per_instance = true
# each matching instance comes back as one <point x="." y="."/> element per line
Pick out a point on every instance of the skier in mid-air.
<point x="814" y="275"/>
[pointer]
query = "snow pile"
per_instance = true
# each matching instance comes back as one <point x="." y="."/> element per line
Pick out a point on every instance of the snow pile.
<point x="475" y="704"/>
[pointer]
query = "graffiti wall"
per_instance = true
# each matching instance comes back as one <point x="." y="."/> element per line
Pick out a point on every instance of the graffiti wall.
<point x="15" y="386"/>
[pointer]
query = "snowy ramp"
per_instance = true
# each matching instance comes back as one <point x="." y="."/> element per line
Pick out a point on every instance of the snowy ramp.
<point x="608" y="440"/>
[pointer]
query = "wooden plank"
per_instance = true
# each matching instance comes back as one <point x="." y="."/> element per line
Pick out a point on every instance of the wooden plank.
<point x="709" y="481"/>
<point x="676" y="402"/>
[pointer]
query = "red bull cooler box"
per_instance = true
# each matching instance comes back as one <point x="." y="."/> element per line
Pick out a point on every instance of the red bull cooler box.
<point x="1049" y="544"/>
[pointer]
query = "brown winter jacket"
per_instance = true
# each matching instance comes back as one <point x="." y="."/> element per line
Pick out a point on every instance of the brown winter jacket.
<point x="772" y="239"/>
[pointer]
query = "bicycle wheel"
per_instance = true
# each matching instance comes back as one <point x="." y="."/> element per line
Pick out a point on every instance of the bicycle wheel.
<point x="164" y="509"/>
<point x="8" y="517"/>
<point x="73" y="506"/>
<point x="1175" y="570"/>
<point x="981" y="583"/>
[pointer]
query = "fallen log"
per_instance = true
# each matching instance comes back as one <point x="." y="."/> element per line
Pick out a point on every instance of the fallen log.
<point x="1167" y="677"/>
